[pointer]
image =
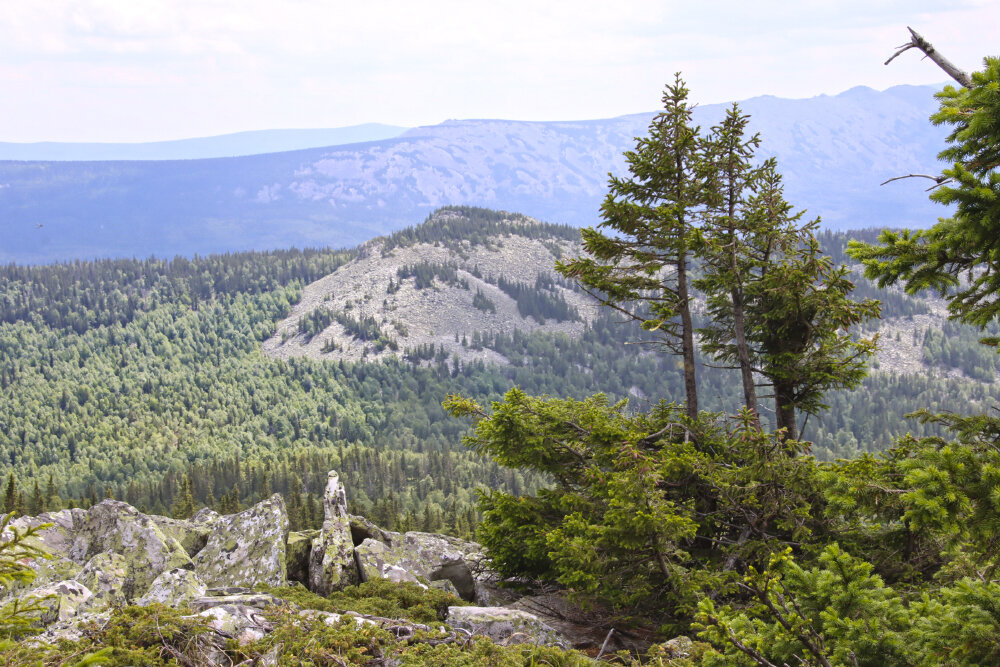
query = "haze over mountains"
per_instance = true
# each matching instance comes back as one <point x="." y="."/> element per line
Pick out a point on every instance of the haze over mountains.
<point x="833" y="150"/>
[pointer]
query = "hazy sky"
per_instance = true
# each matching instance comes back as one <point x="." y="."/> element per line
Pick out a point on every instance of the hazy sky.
<point x="142" y="70"/>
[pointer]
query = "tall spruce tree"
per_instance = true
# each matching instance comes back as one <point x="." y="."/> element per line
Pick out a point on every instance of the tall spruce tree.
<point x="798" y="317"/>
<point x="727" y="261"/>
<point x="778" y="308"/>
<point x="640" y="267"/>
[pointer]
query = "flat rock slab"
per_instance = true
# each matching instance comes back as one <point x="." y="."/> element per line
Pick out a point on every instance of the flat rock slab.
<point x="244" y="624"/>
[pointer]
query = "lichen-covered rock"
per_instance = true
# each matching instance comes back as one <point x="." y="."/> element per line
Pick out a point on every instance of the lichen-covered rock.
<point x="190" y="534"/>
<point x="446" y="586"/>
<point x="62" y="600"/>
<point x="677" y="648"/>
<point x="107" y="576"/>
<point x="362" y="529"/>
<point x="239" y="622"/>
<point x="117" y="527"/>
<point x="420" y="556"/>
<point x="333" y="618"/>
<point x="47" y="571"/>
<point x="174" y="588"/>
<point x="297" y="551"/>
<point x="246" y="549"/>
<point x="256" y="600"/>
<point x="379" y="561"/>
<point x="58" y="539"/>
<point x="331" y="562"/>
<point x="503" y="625"/>
<point x="205" y="516"/>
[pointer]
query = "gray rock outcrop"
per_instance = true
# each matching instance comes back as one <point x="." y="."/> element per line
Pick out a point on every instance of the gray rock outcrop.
<point x="116" y="527"/>
<point x="61" y="600"/>
<point x="174" y="588"/>
<point x="331" y="561"/>
<point x="421" y="557"/>
<point x="107" y="577"/>
<point x="113" y="555"/>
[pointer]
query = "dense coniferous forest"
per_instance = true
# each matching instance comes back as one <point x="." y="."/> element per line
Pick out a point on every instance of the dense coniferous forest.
<point x="124" y="378"/>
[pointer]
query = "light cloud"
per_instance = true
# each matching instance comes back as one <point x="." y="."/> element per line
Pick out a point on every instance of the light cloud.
<point x="109" y="70"/>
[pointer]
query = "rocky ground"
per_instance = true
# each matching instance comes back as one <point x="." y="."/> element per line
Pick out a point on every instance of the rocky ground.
<point x="113" y="555"/>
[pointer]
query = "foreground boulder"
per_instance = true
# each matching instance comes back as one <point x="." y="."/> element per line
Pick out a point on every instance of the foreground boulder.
<point x="331" y="561"/>
<point x="246" y="549"/>
<point x="107" y="577"/>
<point x="504" y="625"/>
<point x="110" y="527"/>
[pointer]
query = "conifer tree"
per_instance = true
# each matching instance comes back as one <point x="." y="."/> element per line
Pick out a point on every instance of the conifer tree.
<point x="960" y="255"/>
<point x="36" y="504"/>
<point x="723" y="240"/>
<point x="640" y="267"/>
<point x="52" y="500"/>
<point x="184" y="504"/>
<point x="10" y="495"/>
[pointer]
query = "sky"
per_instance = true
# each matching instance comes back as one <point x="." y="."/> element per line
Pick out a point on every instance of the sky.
<point x="151" y="70"/>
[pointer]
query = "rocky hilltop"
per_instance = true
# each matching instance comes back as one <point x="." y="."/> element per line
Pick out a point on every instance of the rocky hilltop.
<point x="112" y="555"/>
<point x="432" y="294"/>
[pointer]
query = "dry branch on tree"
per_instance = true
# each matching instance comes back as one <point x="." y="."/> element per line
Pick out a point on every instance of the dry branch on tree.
<point x="918" y="42"/>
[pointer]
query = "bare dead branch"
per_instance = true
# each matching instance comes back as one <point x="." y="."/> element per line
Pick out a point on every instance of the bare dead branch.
<point x="604" y="646"/>
<point x="937" y="179"/>
<point x="918" y="42"/>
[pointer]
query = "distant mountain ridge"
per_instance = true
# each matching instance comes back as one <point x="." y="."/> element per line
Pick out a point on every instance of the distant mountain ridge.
<point x="253" y="142"/>
<point x="833" y="150"/>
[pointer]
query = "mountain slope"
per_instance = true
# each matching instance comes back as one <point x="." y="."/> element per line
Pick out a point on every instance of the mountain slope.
<point x="834" y="151"/>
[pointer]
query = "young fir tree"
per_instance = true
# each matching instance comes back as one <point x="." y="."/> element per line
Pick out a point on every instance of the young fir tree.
<point x="778" y="307"/>
<point x="640" y="267"/>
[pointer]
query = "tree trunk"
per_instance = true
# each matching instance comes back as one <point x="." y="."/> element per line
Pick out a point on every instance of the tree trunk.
<point x="687" y="339"/>
<point x="743" y="355"/>
<point x="785" y="411"/>
<point x="739" y="328"/>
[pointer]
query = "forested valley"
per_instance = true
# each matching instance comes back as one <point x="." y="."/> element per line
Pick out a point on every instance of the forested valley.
<point x="144" y="381"/>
